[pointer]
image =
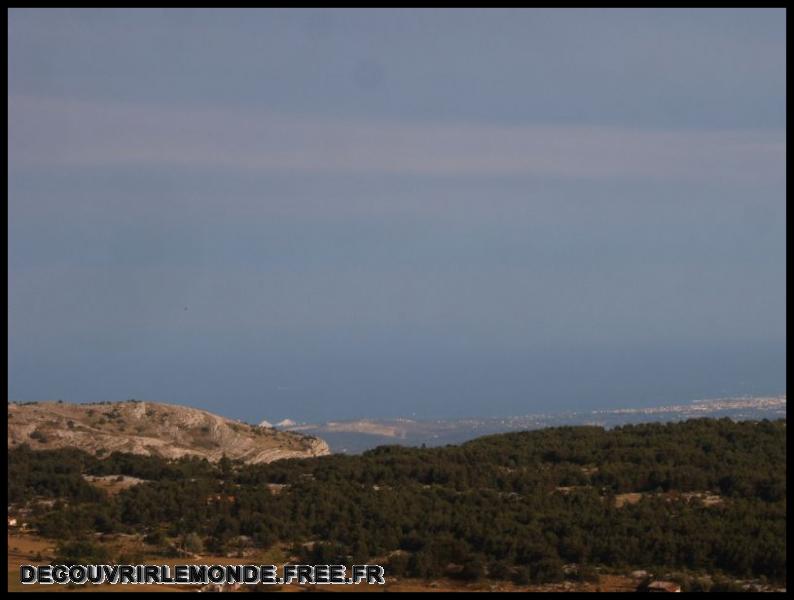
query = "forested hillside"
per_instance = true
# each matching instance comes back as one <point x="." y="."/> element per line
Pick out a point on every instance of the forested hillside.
<point x="703" y="495"/>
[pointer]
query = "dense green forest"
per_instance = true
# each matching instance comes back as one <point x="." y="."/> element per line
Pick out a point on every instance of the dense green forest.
<point x="517" y="505"/>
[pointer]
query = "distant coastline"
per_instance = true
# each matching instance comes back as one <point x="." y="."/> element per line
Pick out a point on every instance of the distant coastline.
<point x="353" y="436"/>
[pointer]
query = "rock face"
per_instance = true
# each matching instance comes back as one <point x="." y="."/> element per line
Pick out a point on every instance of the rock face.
<point x="149" y="428"/>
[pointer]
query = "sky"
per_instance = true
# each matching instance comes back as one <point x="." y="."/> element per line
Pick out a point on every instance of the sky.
<point x="345" y="213"/>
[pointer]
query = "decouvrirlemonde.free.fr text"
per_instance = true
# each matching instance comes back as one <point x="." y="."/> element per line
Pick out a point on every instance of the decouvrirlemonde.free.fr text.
<point x="200" y="574"/>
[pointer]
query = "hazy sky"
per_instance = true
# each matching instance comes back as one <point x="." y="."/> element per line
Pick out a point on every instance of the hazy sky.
<point x="331" y="214"/>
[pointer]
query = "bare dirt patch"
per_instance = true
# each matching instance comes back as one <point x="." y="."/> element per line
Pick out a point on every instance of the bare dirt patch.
<point x="622" y="500"/>
<point x="113" y="484"/>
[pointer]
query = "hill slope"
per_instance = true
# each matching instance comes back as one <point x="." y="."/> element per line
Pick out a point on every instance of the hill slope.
<point x="151" y="428"/>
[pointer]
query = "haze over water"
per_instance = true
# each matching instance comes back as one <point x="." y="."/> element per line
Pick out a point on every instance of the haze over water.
<point x="337" y="214"/>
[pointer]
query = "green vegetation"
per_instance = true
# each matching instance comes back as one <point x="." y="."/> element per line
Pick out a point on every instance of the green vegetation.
<point x="80" y="552"/>
<point x="514" y="506"/>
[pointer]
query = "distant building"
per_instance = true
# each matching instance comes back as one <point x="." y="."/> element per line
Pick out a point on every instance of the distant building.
<point x="220" y="498"/>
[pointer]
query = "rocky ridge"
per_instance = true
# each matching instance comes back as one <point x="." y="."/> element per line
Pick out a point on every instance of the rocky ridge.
<point x="150" y="428"/>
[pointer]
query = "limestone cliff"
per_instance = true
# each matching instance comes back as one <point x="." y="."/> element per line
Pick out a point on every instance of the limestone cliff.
<point x="152" y="428"/>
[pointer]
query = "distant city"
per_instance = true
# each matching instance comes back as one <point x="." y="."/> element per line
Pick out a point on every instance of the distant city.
<point x="360" y="435"/>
